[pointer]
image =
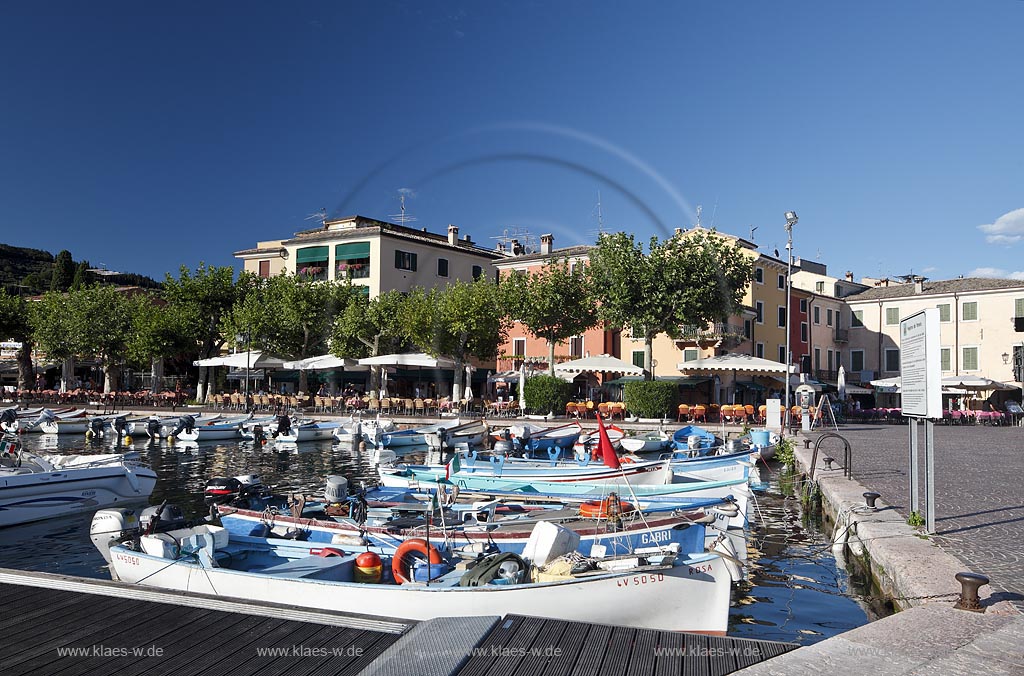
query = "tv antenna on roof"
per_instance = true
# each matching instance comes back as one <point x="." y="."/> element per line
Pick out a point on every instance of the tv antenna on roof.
<point x="753" y="228"/>
<point x="403" y="217"/>
<point x="516" y="240"/>
<point x="699" y="209"/>
<point x="600" y="217"/>
<point x="319" y="216"/>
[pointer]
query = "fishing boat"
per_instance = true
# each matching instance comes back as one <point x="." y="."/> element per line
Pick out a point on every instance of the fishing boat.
<point x="649" y="442"/>
<point x="455" y="433"/>
<point x="76" y="425"/>
<point x="653" y="588"/>
<point x="156" y="426"/>
<point x="313" y="430"/>
<point x="188" y="429"/>
<point x="694" y="438"/>
<point x="37" y="486"/>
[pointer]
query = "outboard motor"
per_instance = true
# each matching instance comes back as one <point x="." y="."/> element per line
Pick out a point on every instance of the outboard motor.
<point x="95" y="428"/>
<point x="162" y="517"/>
<point x="284" y="425"/>
<point x="9" y="420"/>
<point x="258" y="434"/>
<point x="119" y="424"/>
<point x="109" y="525"/>
<point x="153" y="427"/>
<point x="186" y="423"/>
<point x="221" y="490"/>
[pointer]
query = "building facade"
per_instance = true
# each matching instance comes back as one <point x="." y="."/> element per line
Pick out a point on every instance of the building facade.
<point x="377" y="255"/>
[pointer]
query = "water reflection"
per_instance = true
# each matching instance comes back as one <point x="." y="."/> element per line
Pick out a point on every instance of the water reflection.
<point x="787" y="550"/>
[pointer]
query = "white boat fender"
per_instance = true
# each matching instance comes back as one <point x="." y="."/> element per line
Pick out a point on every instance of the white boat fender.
<point x="854" y="542"/>
<point x="349" y="540"/>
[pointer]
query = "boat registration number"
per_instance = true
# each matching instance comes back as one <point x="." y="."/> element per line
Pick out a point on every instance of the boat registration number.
<point x="638" y="580"/>
<point x="130" y="560"/>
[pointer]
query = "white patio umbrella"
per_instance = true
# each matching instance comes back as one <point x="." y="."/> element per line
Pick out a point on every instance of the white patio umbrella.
<point x="601" y="363"/>
<point x="383" y="382"/>
<point x="325" y="362"/>
<point x="841" y="383"/>
<point x="241" y="360"/>
<point x="976" y="383"/>
<point x="410" y="359"/>
<point x="469" y="382"/>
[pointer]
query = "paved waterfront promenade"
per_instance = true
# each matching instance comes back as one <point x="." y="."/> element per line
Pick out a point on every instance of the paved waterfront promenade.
<point x="979" y="490"/>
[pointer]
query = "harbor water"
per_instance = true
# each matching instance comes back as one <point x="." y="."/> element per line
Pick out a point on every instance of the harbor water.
<point x="794" y="592"/>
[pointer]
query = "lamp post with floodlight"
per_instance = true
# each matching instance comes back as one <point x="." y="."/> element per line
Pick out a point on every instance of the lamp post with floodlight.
<point x="791" y="219"/>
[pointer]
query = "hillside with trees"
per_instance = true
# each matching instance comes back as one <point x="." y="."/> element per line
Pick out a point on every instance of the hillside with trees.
<point x="34" y="271"/>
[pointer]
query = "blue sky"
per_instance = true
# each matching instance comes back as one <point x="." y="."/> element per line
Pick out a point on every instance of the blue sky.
<point x="147" y="136"/>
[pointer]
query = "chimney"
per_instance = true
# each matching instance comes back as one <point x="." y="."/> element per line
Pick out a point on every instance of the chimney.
<point x="918" y="284"/>
<point x="517" y="249"/>
<point x="849" y="275"/>
<point x="453" y="234"/>
<point x="679" y="231"/>
<point x="546" y="241"/>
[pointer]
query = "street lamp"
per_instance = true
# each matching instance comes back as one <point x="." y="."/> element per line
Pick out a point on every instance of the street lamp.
<point x="791" y="219"/>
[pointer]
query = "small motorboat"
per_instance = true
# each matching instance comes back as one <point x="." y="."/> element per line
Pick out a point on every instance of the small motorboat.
<point x="648" y="442"/>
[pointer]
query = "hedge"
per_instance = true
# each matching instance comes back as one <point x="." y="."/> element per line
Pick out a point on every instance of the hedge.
<point x="651" y="399"/>
<point x="545" y="394"/>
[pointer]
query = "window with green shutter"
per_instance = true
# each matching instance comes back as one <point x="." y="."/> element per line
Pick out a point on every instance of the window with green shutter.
<point x="944" y="312"/>
<point x="1018" y="307"/>
<point x="638" y="358"/>
<point x="945" y="355"/>
<point x="311" y="262"/>
<point x="689" y="354"/>
<point x="892" y="316"/>
<point x="970" y="311"/>
<point x="970" y="360"/>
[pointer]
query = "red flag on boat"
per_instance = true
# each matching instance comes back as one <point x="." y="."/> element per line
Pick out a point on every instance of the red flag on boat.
<point x="605" y="445"/>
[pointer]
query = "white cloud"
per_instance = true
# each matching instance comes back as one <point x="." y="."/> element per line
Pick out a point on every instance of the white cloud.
<point x="996" y="273"/>
<point x="1008" y="228"/>
<point x="930" y="269"/>
<point x="987" y="272"/>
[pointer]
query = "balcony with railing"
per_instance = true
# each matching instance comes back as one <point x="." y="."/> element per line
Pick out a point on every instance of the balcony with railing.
<point x="728" y="334"/>
<point x="842" y="335"/>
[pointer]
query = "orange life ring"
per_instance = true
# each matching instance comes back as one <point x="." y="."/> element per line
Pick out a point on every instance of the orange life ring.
<point x="626" y="459"/>
<point x="330" y="551"/>
<point x="599" y="509"/>
<point x="401" y="562"/>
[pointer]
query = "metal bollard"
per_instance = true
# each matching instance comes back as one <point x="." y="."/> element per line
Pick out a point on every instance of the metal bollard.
<point x="969" y="584"/>
<point x="807" y="443"/>
<point x="869" y="499"/>
<point x="828" y="462"/>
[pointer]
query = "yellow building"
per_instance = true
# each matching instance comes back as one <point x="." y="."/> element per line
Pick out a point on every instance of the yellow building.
<point x="375" y="254"/>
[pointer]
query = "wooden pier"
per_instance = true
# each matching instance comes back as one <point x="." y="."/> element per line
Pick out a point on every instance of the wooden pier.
<point x="66" y="626"/>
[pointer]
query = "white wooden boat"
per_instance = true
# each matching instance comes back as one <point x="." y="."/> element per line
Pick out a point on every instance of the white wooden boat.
<point x="36" y="486"/>
<point x="215" y="430"/>
<point x="650" y="589"/>
<point x="309" y="431"/>
<point x="649" y="442"/>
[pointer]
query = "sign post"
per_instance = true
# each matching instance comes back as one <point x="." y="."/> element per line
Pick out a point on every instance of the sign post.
<point x="921" y="389"/>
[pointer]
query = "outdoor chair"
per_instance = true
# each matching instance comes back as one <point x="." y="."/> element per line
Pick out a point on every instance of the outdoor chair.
<point x="700" y="414"/>
<point x="418" y="407"/>
<point x="617" y="409"/>
<point x="751" y="413"/>
<point x="684" y="413"/>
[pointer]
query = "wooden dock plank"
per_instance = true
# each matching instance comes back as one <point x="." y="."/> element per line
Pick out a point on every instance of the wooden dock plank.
<point x="570" y="646"/>
<point x="645" y="647"/>
<point x="592" y="655"/>
<point x="619" y="652"/>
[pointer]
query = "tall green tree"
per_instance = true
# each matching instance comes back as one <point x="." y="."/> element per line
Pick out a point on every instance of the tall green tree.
<point x="288" y="316"/>
<point x="159" y="330"/>
<point x="102" y="318"/>
<point x="63" y="271"/>
<point x="462" y="320"/>
<point x="15" y="325"/>
<point x="204" y="298"/>
<point x="370" y="327"/>
<point x="54" y="327"/>
<point x="554" y="303"/>
<point x="694" y="277"/>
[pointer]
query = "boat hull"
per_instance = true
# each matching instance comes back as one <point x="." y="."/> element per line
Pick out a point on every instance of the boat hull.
<point x="45" y="495"/>
<point x="691" y="596"/>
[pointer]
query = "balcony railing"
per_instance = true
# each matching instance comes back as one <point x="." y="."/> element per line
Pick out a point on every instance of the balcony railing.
<point x="711" y="332"/>
<point x="842" y="335"/>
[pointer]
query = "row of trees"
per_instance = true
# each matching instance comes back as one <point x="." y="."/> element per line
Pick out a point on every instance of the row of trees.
<point x="683" y="280"/>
